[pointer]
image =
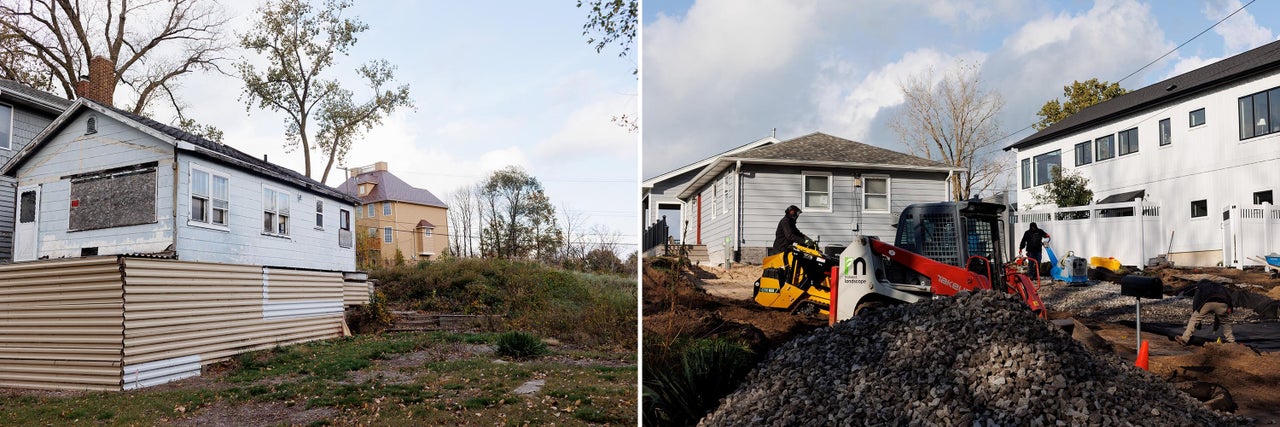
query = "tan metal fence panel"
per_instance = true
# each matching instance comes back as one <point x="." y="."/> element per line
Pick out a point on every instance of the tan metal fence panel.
<point x="181" y="314"/>
<point x="61" y="324"/>
<point x="356" y="293"/>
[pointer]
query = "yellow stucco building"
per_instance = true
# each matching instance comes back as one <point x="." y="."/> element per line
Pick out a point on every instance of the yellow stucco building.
<point x="395" y="215"/>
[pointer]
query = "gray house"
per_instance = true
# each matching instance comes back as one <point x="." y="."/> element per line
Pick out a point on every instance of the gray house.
<point x="24" y="112"/>
<point x="658" y="194"/>
<point x="102" y="181"/>
<point x="844" y="187"/>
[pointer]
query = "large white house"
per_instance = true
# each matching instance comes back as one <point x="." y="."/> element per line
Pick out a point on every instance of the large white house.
<point x="1201" y="152"/>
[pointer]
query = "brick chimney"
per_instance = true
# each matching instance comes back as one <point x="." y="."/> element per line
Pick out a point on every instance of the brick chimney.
<point x="100" y="84"/>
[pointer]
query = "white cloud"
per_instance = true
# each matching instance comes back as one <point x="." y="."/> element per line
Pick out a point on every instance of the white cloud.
<point x="848" y="105"/>
<point x="1045" y="54"/>
<point x="1240" y="32"/>
<point x="590" y="131"/>
<point x="1189" y="63"/>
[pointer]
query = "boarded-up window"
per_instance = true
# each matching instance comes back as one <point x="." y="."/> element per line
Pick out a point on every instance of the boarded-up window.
<point x="115" y="197"/>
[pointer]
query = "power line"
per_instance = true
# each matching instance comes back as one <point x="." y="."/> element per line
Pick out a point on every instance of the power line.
<point x="1148" y="64"/>
<point x="1188" y="41"/>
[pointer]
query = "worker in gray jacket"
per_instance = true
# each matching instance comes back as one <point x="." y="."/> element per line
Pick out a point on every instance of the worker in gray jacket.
<point x="1211" y="299"/>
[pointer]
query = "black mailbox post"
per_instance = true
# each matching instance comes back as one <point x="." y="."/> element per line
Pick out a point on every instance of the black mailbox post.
<point x="1141" y="287"/>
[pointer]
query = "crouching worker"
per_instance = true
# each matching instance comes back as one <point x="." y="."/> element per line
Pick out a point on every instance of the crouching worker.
<point x="1212" y="299"/>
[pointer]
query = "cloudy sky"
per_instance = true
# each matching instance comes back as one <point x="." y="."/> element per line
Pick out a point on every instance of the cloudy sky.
<point x="495" y="84"/>
<point x="720" y="73"/>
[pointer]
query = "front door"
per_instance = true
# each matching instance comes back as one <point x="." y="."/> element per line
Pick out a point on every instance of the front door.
<point x="25" y="236"/>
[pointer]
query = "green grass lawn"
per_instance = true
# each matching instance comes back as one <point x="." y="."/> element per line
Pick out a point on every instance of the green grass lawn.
<point x="389" y="379"/>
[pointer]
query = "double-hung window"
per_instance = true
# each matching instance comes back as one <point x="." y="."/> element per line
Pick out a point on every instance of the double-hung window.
<point x="386" y="234"/>
<point x="724" y="194"/>
<point x="875" y="194"/>
<point x="386" y="208"/>
<point x="369" y="210"/>
<point x="319" y="214"/>
<point x="715" y="198"/>
<point x="209" y="197"/>
<point x="817" y="192"/>
<point x="1128" y="141"/>
<point x="275" y="212"/>
<point x="1084" y="153"/>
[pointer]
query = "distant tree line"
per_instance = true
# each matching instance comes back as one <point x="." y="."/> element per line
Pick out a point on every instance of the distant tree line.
<point x="508" y="215"/>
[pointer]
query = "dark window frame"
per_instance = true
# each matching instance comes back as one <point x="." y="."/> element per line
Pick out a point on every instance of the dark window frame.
<point x="1203" y="208"/>
<point x="1111" y="148"/>
<point x="1084" y="153"/>
<point x="1026" y="173"/>
<point x="1048" y="170"/>
<point x="1191" y="118"/>
<point x="1247" y="109"/>
<point x="1166" y="131"/>
<point x="1127" y="142"/>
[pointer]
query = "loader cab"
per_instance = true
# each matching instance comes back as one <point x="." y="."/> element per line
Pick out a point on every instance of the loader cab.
<point x="963" y="234"/>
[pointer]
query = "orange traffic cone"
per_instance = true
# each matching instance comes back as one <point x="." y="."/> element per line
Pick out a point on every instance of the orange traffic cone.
<point x="1142" y="356"/>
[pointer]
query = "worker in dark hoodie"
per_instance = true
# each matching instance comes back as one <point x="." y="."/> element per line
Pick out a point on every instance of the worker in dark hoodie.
<point x="787" y="232"/>
<point x="1211" y="299"/>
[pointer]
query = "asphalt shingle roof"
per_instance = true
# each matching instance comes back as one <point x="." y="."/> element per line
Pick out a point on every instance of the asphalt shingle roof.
<point x="820" y="147"/>
<point x="239" y="158"/>
<point x="24" y="91"/>
<point x="387" y="186"/>
<point x="1245" y="65"/>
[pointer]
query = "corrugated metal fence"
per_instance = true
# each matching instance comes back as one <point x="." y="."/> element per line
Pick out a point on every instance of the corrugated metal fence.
<point x="61" y="324"/>
<point x="113" y="323"/>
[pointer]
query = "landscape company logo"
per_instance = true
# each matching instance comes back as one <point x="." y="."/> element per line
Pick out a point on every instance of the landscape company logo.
<point x="858" y="265"/>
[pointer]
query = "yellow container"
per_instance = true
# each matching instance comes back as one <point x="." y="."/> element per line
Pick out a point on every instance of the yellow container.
<point x="1108" y="263"/>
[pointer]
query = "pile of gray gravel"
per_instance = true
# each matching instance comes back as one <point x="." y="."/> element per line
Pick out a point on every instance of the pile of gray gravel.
<point x="973" y="360"/>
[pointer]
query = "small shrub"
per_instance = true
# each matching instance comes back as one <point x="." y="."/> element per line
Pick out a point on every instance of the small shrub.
<point x="520" y="345"/>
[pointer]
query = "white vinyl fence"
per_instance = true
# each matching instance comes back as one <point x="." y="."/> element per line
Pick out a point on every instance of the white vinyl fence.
<point x="1130" y="232"/>
<point x="1249" y="231"/>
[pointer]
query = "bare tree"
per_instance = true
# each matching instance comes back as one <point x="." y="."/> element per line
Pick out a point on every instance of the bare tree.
<point x="463" y="219"/>
<point x="150" y="43"/>
<point x="953" y="121"/>
<point x="575" y="237"/>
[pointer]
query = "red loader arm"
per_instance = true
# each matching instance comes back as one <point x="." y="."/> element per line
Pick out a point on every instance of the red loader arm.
<point x="945" y="279"/>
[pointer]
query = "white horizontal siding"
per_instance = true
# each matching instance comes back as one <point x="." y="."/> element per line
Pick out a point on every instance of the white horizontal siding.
<point x="243" y="242"/>
<point x="73" y="152"/>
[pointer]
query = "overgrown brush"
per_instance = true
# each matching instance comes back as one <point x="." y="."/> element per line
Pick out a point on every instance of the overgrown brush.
<point x="520" y="345"/>
<point x="580" y="308"/>
<point x="682" y="386"/>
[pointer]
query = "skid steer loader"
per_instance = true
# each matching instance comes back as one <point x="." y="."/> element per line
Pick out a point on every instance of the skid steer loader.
<point x="940" y="249"/>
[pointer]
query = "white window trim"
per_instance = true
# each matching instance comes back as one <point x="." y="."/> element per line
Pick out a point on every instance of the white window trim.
<point x="388" y="235"/>
<point x="724" y="193"/>
<point x="715" y="199"/>
<point x="13" y="112"/>
<point x="386" y="209"/>
<point x="289" y="223"/>
<point x="320" y="211"/>
<point x="888" y="192"/>
<point x="210" y="225"/>
<point x="373" y="232"/>
<point x="1207" y="212"/>
<point x="831" y="199"/>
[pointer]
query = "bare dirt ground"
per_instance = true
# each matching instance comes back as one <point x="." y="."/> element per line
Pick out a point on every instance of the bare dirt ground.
<point x="718" y="303"/>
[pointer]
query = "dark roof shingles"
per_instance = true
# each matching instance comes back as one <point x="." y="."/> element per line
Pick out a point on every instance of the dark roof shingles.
<point x="36" y="94"/>
<point x="1184" y="85"/>
<point x="246" y="161"/>
<point x="387" y="186"/>
<point x="817" y="147"/>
